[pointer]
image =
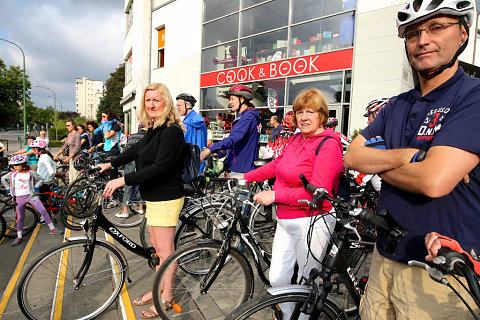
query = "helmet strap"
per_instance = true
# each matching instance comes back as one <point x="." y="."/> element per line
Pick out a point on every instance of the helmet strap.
<point x="432" y="74"/>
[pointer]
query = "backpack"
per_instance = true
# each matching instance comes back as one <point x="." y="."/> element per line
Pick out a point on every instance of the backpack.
<point x="344" y="184"/>
<point x="191" y="163"/>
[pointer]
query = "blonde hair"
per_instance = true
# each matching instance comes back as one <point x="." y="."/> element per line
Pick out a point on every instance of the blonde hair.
<point x="314" y="99"/>
<point x="169" y="114"/>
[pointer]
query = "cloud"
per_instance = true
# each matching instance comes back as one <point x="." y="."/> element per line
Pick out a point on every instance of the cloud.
<point x="62" y="40"/>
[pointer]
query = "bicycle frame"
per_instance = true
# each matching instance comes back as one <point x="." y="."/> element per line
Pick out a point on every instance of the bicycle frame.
<point x="246" y="235"/>
<point x="99" y="221"/>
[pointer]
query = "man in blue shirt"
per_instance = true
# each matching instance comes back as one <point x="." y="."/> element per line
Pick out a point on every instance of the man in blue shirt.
<point x="440" y="193"/>
<point x="194" y="123"/>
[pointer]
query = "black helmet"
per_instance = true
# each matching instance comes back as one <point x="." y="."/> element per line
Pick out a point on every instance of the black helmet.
<point x="187" y="98"/>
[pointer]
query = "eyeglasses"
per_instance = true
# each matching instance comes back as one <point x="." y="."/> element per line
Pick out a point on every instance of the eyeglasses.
<point x="433" y="30"/>
<point x="68" y="125"/>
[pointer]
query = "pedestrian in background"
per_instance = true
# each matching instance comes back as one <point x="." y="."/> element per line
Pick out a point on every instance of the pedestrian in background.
<point x="276" y="128"/>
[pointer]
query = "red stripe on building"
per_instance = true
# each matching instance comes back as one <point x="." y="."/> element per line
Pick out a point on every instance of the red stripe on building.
<point x="330" y="61"/>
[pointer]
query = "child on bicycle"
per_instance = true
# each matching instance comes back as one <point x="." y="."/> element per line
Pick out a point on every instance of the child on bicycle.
<point x="23" y="184"/>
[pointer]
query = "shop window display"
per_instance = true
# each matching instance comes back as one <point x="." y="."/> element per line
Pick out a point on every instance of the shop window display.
<point x="330" y="84"/>
<point x="220" y="57"/>
<point x="264" y="48"/>
<point x="214" y="9"/>
<point x="323" y="35"/>
<point x="221" y="30"/>
<point x="304" y="10"/>
<point x="268" y="16"/>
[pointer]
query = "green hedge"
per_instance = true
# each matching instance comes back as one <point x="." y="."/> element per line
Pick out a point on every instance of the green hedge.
<point x="55" y="143"/>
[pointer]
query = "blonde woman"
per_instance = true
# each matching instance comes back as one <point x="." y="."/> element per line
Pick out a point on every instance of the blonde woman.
<point x="159" y="162"/>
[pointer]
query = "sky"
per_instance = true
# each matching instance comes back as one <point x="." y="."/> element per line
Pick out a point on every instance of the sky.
<point x="62" y="40"/>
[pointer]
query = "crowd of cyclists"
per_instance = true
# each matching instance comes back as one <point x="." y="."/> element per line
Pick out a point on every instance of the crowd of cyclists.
<point x="418" y="151"/>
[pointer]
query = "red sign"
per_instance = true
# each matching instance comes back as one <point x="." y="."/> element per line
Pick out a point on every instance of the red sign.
<point x="330" y="61"/>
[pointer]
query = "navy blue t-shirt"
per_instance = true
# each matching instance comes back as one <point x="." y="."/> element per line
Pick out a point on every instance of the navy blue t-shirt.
<point x="446" y="116"/>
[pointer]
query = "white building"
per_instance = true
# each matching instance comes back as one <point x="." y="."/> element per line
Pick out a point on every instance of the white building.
<point x="348" y="49"/>
<point x="88" y="94"/>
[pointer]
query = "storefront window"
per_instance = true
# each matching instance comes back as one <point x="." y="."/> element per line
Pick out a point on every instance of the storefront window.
<point x="218" y="8"/>
<point x="219" y="58"/>
<point x="330" y="84"/>
<point x="323" y="35"/>
<point x="265" y="17"/>
<point x="347" y="87"/>
<point x="304" y="10"/>
<point x="214" y="98"/>
<point x="220" y="31"/>
<point x="248" y="3"/>
<point x="267" y="47"/>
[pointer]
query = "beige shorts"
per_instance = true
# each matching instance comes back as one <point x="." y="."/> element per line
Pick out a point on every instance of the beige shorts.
<point x="164" y="213"/>
<point x="398" y="291"/>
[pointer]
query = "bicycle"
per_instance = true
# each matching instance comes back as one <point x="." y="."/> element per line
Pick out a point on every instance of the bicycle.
<point x="212" y="269"/>
<point x="82" y="277"/>
<point x="312" y="300"/>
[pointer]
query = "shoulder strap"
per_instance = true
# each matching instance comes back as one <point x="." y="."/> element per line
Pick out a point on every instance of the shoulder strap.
<point x="320" y="145"/>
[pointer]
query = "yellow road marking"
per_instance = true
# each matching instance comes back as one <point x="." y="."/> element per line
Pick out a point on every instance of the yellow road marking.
<point x="125" y="297"/>
<point x="13" y="281"/>
<point x="57" y="311"/>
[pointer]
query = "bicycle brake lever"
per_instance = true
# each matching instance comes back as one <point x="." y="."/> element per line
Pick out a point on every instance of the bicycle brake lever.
<point x="434" y="273"/>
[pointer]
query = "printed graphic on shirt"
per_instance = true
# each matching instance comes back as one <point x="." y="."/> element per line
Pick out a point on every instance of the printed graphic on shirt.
<point x="22" y="184"/>
<point x="432" y="123"/>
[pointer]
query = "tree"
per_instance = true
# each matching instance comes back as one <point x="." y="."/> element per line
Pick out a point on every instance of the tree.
<point x="11" y="94"/>
<point x="113" y="93"/>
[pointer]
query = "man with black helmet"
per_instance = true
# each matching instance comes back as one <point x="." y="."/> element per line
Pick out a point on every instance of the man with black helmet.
<point x="439" y="116"/>
<point x="242" y="142"/>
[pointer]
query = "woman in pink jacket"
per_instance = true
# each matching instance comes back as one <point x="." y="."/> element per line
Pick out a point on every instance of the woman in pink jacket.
<point x="322" y="170"/>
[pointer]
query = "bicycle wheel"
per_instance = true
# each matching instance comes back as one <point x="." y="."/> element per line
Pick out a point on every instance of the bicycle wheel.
<point x="47" y="290"/>
<point x="232" y="287"/>
<point x="201" y="223"/>
<point x="29" y="223"/>
<point x="267" y="307"/>
<point x="3" y="227"/>
<point x="263" y="227"/>
<point x="77" y="206"/>
<point x="115" y="207"/>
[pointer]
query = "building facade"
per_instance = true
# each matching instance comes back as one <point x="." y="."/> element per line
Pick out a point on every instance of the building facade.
<point x="88" y="94"/>
<point x="348" y="49"/>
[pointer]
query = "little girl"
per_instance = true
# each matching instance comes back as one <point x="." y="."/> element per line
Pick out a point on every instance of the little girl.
<point x="23" y="185"/>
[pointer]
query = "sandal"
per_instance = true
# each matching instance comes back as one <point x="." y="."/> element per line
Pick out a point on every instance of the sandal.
<point x="167" y="305"/>
<point x="149" y="314"/>
<point x="140" y="302"/>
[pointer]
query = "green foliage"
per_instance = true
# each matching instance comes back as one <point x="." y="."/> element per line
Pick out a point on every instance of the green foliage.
<point x="356" y="132"/>
<point x="113" y="93"/>
<point x="66" y="115"/>
<point x="11" y="94"/>
<point x="55" y="143"/>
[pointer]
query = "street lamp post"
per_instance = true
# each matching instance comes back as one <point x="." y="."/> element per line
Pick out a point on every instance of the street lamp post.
<point x="55" y="108"/>
<point x="61" y="103"/>
<point x="24" y="103"/>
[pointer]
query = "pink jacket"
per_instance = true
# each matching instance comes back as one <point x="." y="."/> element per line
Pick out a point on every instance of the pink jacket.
<point x="322" y="170"/>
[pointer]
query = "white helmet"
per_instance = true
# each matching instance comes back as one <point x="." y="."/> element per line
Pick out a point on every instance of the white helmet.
<point x="419" y="10"/>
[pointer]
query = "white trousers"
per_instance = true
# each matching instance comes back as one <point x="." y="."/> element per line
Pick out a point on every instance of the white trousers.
<point x="290" y="246"/>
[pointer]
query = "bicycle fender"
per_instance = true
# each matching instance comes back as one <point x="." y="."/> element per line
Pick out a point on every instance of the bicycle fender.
<point x="122" y="255"/>
<point x="275" y="291"/>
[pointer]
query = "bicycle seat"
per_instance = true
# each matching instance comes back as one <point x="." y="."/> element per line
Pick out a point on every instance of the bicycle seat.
<point x="260" y="162"/>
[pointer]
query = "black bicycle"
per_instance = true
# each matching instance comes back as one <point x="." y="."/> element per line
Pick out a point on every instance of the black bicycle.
<point x="315" y="301"/>
<point x="213" y="277"/>
<point x="82" y="277"/>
